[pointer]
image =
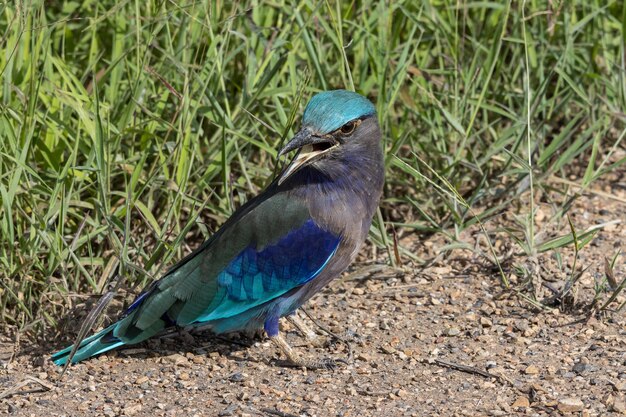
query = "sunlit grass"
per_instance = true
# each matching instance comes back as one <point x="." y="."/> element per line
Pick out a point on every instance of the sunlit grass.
<point x="129" y="131"/>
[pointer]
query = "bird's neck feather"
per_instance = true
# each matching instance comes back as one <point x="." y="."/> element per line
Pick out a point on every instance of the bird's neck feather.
<point x="343" y="193"/>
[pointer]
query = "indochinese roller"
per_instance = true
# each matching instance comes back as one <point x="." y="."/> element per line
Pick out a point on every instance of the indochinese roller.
<point x="278" y="249"/>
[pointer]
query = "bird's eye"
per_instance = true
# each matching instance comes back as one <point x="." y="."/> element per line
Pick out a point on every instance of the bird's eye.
<point x="348" y="127"/>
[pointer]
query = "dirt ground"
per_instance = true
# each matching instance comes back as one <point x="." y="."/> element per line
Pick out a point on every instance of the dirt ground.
<point x="444" y="340"/>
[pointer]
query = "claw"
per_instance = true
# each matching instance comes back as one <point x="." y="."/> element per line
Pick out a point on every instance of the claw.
<point x="331" y="364"/>
<point x="311" y="337"/>
<point x="294" y="360"/>
<point x="327" y="364"/>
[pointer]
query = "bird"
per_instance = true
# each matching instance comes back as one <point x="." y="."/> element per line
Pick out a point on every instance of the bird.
<point x="277" y="250"/>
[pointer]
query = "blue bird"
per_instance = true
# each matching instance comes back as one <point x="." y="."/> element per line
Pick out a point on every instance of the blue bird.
<point x="281" y="247"/>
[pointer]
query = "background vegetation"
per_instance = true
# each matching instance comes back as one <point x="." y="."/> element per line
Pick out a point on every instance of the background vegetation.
<point x="129" y="130"/>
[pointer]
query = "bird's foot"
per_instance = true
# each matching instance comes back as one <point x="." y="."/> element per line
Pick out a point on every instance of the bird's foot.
<point x="312" y="338"/>
<point x="318" y="342"/>
<point x="314" y="364"/>
<point x="295" y="360"/>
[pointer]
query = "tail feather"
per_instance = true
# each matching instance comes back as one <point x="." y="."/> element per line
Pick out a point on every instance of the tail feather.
<point x="91" y="346"/>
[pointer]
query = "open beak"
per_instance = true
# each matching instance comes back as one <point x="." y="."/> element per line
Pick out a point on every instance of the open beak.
<point x="310" y="147"/>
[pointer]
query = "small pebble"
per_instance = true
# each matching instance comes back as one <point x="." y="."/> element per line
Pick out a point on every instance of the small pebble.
<point x="236" y="377"/>
<point x="619" y="405"/>
<point x="521" y="401"/>
<point x="570" y="405"/>
<point x="485" y="322"/>
<point x="453" y="331"/>
<point x="531" y="370"/>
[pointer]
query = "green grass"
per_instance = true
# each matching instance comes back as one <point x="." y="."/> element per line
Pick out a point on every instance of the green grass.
<point x="130" y="130"/>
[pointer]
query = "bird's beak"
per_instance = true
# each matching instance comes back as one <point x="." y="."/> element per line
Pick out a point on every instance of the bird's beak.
<point x="310" y="147"/>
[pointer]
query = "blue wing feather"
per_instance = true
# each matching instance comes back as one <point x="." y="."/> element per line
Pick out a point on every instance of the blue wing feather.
<point x="256" y="276"/>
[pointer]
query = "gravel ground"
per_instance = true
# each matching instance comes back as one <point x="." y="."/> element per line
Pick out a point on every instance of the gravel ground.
<point x="444" y="340"/>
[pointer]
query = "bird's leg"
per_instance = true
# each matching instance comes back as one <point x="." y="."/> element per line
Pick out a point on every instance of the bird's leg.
<point x="296" y="360"/>
<point x="333" y="336"/>
<point x="271" y="328"/>
<point x="311" y="337"/>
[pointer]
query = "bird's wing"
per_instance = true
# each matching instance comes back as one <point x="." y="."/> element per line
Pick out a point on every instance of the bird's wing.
<point x="267" y="249"/>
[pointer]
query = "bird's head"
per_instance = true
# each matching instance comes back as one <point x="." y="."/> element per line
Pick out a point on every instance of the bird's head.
<point x="335" y="123"/>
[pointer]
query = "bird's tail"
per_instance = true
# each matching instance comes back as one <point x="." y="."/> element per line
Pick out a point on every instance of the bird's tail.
<point x="93" y="345"/>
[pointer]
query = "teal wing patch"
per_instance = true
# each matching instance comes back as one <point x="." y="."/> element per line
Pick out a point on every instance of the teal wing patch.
<point x="256" y="276"/>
